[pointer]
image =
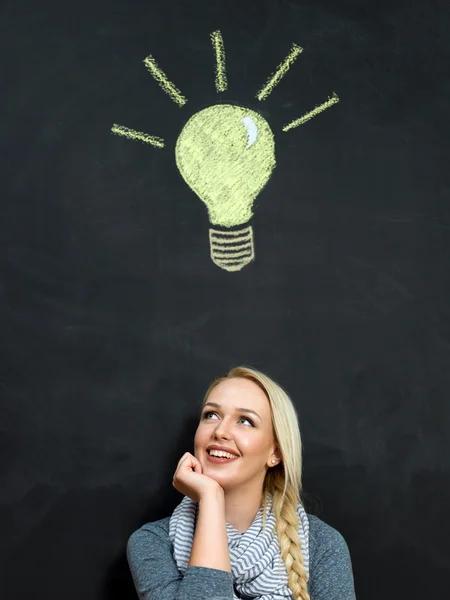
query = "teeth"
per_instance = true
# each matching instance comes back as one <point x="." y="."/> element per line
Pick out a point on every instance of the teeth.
<point x="221" y="454"/>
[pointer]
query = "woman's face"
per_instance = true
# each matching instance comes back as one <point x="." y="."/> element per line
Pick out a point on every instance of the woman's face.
<point x="227" y="421"/>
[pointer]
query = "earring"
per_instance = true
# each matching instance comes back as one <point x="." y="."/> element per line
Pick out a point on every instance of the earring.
<point x="273" y="461"/>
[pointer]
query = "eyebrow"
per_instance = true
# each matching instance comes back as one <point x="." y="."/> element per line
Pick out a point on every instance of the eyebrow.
<point x="246" y="410"/>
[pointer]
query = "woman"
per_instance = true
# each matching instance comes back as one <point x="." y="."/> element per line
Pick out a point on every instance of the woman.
<point x="241" y="530"/>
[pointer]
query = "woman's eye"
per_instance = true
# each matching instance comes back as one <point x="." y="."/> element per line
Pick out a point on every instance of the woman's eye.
<point x="207" y="414"/>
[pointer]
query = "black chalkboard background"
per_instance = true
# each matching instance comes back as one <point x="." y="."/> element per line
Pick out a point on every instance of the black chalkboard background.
<point x="114" y="319"/>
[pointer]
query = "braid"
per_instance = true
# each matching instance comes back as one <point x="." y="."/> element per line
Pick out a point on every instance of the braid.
<point x="285" y="511"/>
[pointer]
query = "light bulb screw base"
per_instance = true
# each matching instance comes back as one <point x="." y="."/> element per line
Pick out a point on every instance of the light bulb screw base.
<point x="232" y="250"/>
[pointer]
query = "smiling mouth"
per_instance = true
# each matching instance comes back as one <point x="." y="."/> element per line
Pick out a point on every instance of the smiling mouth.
<point x="220" y="459"/>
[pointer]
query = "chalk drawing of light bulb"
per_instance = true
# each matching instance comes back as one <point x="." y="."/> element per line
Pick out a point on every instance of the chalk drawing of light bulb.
<point x="226" y="155"/>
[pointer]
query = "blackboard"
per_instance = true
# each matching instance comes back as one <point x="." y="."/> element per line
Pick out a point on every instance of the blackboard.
<point x="114" y="318"/>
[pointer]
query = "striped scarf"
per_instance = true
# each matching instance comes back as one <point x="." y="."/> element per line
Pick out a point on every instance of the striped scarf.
<point x="256" y="564"/>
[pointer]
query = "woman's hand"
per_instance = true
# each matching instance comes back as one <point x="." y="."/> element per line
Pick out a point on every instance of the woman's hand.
<point x="189" y="481"/>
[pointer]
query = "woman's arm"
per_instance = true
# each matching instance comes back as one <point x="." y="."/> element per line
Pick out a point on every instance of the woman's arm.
<point x="210" y="545"/>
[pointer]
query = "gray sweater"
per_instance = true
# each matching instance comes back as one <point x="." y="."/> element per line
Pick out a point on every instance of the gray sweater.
<point x="156" y="576"/>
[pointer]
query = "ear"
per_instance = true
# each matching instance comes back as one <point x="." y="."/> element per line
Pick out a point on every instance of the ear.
<point x="274" y="458"/>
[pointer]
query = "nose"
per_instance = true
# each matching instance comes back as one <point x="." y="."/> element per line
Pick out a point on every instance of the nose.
<point x="222" y="430"/>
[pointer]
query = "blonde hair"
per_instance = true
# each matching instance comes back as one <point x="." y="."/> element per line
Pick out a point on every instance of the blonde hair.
<point x="284" y="481"/>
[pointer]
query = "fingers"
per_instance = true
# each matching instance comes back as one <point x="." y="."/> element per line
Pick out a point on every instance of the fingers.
<point x="188" y="461"/>
<point x="182" y="478"/>
<point x="197" y="466"/>
<point x="182" y="458"/>
<point x="186" y="455"/>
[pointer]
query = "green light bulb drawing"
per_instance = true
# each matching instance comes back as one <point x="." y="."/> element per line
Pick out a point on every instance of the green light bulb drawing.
<point x="226" y="154"/>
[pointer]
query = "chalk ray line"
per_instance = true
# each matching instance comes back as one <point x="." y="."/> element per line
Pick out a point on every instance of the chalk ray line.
<point x="132" y="134"/>
<point x="219" y="50"/>
<point x="161" y="78"/>
<point x="280" y="72"/>
<point x="309" y="115"/>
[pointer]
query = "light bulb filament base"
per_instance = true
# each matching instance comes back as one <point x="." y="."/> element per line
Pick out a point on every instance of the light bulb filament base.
<point x="232" y="250"/>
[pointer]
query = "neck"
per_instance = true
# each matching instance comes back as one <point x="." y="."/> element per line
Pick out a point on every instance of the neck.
<point x="241" y="507"/>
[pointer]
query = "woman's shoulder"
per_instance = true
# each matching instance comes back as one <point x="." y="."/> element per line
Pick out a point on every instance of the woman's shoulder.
<point x="154" y="534"/>
<point x="324" y="539"/>
<point x="158" y="528"/>
<point x="321" y="531"/>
